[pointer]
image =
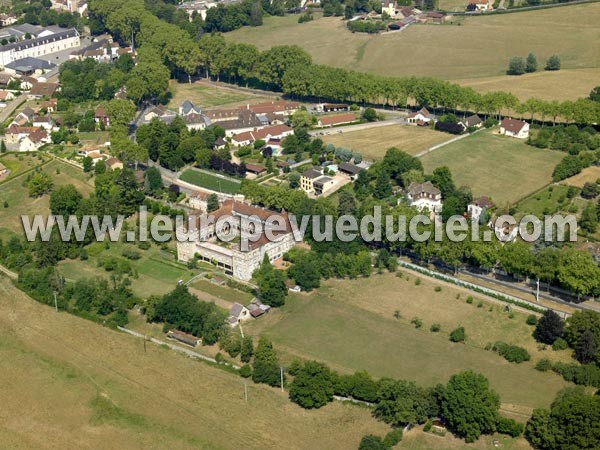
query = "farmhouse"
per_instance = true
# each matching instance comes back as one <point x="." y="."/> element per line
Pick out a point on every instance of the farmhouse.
<point x="238" y="313"/>
<point x="264" y="134"/>
<point x="479" y="5"/>
<point x="435" y="17"/>
<point x="339" y="119"/>
<point x="472" y="121"/>
<point x="420" y="117"/>
<point x="41" y="90"/>
<point x="101" y="117"/>
<point x="6" y="96"/>
<point x="50" y="105"/>
<point x="161" y="113"/>
<point x="514" y="128"/>
<point x="350" y="169"/>
<point x="184" y="338"/>
<point x="425" y="196"/>
<point x="237" y="220"/>
<point x="114" y="163"/>
<point x="478" y="206"/>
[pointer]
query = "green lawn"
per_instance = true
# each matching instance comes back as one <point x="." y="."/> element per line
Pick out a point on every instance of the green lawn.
<point x="206" y="180"/>
<point x="503" y="168"/>
<point x="206" y="96"/>
<point x="223" y="292"/>
<point x="351" y="325"/>
<point x="157" y="271"/>
<point x="548" y="201"/>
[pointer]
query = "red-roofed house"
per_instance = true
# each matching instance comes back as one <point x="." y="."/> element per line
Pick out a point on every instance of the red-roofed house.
<point x="264" y="134"/>
<point x="101" y="116"/>
<point x="514" y="128"/>
<point x="339" y="119"/>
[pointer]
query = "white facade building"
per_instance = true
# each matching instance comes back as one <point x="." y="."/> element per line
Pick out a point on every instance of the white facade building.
<point x="49" y="43"/>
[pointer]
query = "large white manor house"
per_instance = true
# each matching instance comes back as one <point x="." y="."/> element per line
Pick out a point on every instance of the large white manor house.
<point x="235" y="261"/>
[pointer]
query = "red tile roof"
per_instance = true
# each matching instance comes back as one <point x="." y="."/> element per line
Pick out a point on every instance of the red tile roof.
<point x="338" y="119"/>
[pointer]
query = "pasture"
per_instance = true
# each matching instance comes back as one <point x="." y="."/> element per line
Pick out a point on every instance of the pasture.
<point x="69" y="383"/>
<point x="503" y="168"/>
<point x="214" y="182"/>
<point x="352" y="326"/>
<point x="207" y="96"/>
<point x="374" y="142"/>
<point x="15" y="192"/>
<point x="448" y="51"/>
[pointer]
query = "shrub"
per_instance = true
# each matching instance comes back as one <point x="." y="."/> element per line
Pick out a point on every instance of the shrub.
<point x="470" y="299"/>
<point x="417" y="281"/>
<point x="428" y="425"/>
<point x="531" y="320"/>
<point x="246" y="371"/>
<point x="393" y="437"/>
<point x="130" y="253"/>
<point x="559" y="344"/>
<point x="512" y="353"/>
<point x="418" y="323"/>
<point x="435" y="328"/>
<point x="458" y="335"/>
<point x="543" y="365"/>
<point x="587" y="374"/>
<point x="480" y="305"/>
<point x="438" y="289"/>
<point x="509" y="426"/>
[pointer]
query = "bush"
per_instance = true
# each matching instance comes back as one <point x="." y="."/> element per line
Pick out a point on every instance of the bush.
<point x="586" y="375"/>
<point x="246" y="371"/>
<point x="543" y="365"/>
<point x="393" y="437"/>
<point x="509" y="426"/>
<point x="469" y="299"/>
<point x="435" y="328"/>
<point x="512" y="353"/>
<point x="532" y="320"/>
<point x="428" y="425"/>
<point x="417" y="282"/>
<point x="559" y="344"/>
<point x="490" y="122"/>
<point x="370" y="441"/>
<point x="130" y="253"/>
<point x="458" y="335"/>
<point x="438" y="289"/>
<point x="418" y="323"/>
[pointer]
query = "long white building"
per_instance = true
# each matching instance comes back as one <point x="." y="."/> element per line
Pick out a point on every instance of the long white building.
<point x="40" y="46"/>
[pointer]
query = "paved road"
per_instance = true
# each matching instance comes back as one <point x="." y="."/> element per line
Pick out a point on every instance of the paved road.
<point x="11" y="106"/>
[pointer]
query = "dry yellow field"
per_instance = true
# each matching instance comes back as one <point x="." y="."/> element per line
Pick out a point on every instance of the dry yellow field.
<point x="374" y="142"/>
<point x="561" y="85"/>
<point x="479" y="47"/>
<point x="208" y="95"/>
<point x="588" y="175"/>
<point x="67" y="383"/>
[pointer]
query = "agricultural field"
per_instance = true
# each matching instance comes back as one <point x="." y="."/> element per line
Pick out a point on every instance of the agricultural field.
<point x="447" y="51"/>
<point x="206" y="96"/>
<point x="352" y="326"/>
<point x="219" y="183"/>
<point x="372" y="143"/>
<point x="15" y="192"/>
<point x="85" y="386"/>
<point x="587" y="175"/>
<point x="562" y="85"/>
<point x="503" y="168"/>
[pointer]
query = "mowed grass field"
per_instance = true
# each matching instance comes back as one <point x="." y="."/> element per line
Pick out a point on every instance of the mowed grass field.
<point x="351" y="325"/>
<point x="68" y="383"/>
<point x="503" y="168"/>
<point x="479" y="47"/>
<point x="374" y="142"/>
<point x="206" y="96"/>
<point x="212" y="182"/>
<point x="19" y="203"/>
